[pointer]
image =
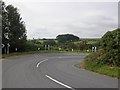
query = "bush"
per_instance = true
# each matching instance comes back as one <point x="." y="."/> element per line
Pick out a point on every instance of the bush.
<point x="109" y="52"/>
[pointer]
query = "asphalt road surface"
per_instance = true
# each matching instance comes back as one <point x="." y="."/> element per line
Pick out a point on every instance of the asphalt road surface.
<point x="51" y="71"/>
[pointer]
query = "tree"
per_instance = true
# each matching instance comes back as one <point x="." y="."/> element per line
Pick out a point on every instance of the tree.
<point x="110" y="45"/>
<point x="110" y="40"/>
<point x="0" y="29"/>
<point x="67" y="38"/>
<point x="5" y="25"/>
<point x="17" y="29"/>
<point x="109" y="52"/>
<point x="13" y="28"/>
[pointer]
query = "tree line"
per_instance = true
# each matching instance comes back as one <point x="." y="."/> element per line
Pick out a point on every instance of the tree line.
<point x="64" y="42"/>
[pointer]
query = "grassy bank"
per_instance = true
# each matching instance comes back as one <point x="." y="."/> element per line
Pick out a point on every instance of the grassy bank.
<point x="105" y="70"/>
<point x="92" y="65"/>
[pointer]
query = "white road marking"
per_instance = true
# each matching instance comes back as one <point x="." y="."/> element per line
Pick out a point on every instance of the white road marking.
<point x="38" y="64"/>
<point x="59" y="82"/>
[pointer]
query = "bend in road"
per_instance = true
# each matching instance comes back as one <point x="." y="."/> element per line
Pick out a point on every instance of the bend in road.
<point x="51" y="71"/>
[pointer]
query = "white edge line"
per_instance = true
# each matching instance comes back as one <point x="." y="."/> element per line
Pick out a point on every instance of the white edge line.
<point x="59" y="82"/>
<point x="38" y="64"/>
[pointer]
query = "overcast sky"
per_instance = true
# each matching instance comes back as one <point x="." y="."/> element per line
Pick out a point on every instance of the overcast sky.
<point x="84" y="19"/>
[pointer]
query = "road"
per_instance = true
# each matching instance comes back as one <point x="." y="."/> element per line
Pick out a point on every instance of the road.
<point x="51" y="71"/>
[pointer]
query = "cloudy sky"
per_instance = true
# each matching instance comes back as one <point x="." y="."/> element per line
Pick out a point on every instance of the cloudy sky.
<point x="47" y="19"/>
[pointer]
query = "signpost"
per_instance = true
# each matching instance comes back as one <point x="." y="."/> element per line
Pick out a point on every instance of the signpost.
<point x="3" y="45"/>
<point x="6" y="35"/>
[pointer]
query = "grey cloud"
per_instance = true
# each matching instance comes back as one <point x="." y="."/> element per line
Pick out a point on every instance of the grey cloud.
<point x="48" y="19"/>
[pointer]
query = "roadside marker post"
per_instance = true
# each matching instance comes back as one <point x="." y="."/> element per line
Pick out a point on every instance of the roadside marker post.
<point x="45" y="47"/>
<point x="8" y="45"/>
<point x="48" y="47"/>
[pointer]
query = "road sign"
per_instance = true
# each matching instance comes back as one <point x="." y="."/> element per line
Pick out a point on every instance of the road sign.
<point x="6" y="35"/>
<point x="8" y="45"/>
<point x="3" y="45"/>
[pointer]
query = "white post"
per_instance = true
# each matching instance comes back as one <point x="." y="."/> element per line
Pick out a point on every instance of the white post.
<point x="8" y="45"/>
<point x="7" y="50"/>
<point x="38" y="49"/>
<point x="59" y="49"/>
<point x="92" y="49"/>
<point x="45" y="47"/>
<point x="72" y="50"/>
<point x="48" y="47"/>
<point x="95" y="49"/>
<point x="16" y="49"/>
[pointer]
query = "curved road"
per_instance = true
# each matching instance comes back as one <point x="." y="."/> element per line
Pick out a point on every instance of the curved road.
<point x="51" y="71"/>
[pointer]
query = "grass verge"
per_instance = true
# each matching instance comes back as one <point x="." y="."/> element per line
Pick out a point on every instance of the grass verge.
<point x="38" y="52"/>
<point x="101" y="69"/>
<point x="30" y="52"/>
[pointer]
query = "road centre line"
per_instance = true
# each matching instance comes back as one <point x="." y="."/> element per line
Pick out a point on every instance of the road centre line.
<point x="38" y="64"/>
<point x="56" y="81"/>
